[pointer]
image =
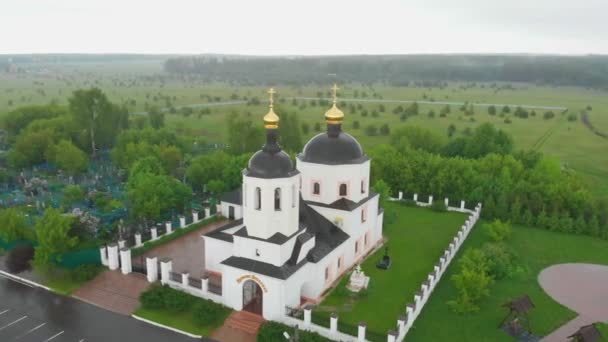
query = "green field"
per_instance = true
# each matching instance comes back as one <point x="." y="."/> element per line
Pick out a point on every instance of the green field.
<point x="417" y="238"/>
<point x="136" y="84"/>
<point x="537" y="249"/>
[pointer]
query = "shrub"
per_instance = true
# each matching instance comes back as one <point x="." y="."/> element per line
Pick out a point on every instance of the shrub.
<point x="176" y="301"/>
<point x="500" y="260"/>
<point x="18" y="259"/>
<point x="154" y="298"/>
<point x="472" y="282"/>
<point x="273" y="332"/>
<point x="439" y="206"/>
<point x="548" y="115"/>
<point x="498" y="231"/>
<point x="206" y="312"/>
<point x="84" y="273"/>
<point x="572" y="117"/>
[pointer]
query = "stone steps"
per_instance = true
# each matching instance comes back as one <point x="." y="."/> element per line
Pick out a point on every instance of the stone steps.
<point x="245" y="321"/>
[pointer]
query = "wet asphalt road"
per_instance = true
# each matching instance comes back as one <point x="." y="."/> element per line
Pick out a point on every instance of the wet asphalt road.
<point x="29" y="314"/>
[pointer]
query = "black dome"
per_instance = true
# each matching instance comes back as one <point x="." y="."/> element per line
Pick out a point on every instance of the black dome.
<point x="265" y="164"/>
<point x="333" y="147"/>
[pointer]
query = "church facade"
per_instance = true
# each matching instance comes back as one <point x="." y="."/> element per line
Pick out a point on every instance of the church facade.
<point x="295" y="229"/>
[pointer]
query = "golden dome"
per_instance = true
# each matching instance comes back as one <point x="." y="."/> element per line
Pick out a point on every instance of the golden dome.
<point x="271" y="119"/>
<point x="334" y="115"/>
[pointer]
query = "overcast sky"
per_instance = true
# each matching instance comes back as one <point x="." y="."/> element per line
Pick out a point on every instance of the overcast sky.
<point x="310" y="27"/>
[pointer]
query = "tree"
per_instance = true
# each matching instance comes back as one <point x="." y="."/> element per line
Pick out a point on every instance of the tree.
<point x="152" y="195"/>
<point x="305" y="127"/>
<point x="415" y="137"/>
<point x="384" y="129"/>
<point x="171" y="158"/>
<point x="97" y="117"/>
<point x="451" y="130"/>
<point x="498" y="231"/>
<point x="492" y="110"/>
<point x="157" y="118"/>
<point x="68" y="157"/>
<point x="371" y="130"/>
<point x="472" y="282"/>
<point x="72" y="194"/>
<point x="383" y="190"/>
<point x="14" y="226"/>
<point x="18" y="259"/>
<point x="52" y="234"/>
<point x="243" y="136"/>
<point x="317" y="127"/>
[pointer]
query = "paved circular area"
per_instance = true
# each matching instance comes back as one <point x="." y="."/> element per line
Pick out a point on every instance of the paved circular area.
<point x="582" y="288"/>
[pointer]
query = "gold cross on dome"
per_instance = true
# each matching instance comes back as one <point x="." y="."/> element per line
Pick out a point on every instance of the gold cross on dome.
<point x="335" y="92"/>
<point x="271" y="93"/>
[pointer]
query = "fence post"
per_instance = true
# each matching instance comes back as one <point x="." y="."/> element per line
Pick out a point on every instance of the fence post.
<point x="138" y="240"/>
<point x="205" y="284"/>
<point x="166" y="265"/>
<point x="169" y="227"/>
<point x="361" y="332"/>
<point x="447" y="202"/>
<point x="218" y="209"/>
<point x="113" y="256"/>
<point x="333" y="323"/>
<point x="415" y="197"/>
<point x="431" y="200"/>
<point x="400" y="195"/>
<point x="122" y="244"/>
<point x="194" y="216"/>
<point x="103" y="251"/>
<point x="154" y="233"/>
<point x="461" y="205"/>
<point x="125" y="261"/>
<point x="207" y="212"/>
<point x="401" y="324"/>
<point x="392" y="336"/>
<point x="185" y="277"/>
<point x="152" y="269"/>
<point x="182" y="221"/>
<point x="307" y="315"/>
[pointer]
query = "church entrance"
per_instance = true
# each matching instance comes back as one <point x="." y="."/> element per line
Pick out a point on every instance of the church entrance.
<point x="252" y="297"/>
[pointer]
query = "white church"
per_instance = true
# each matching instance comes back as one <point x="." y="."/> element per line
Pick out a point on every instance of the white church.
<point x="294" y="230"/>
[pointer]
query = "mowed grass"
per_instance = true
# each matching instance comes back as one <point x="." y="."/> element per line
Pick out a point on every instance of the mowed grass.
<point x="536" y="249"/>
<point x="417" y="237"/>
<point x="178" y="320"/>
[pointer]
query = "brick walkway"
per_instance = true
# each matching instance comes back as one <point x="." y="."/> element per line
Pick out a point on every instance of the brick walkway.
<point x="114" y="291"/>
<point x="581" y="288"/>
<point x="187" y="251"/>
<point x="240" y="326"/>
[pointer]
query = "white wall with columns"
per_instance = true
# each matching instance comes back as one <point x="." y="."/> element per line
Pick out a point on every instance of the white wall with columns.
<point x="330" y="177"/>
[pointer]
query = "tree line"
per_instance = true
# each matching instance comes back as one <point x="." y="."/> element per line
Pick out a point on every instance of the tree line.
<point x="586" y="71"/>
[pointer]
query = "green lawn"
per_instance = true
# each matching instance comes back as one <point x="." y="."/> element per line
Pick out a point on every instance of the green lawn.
<point x="536" y="249"/>
<point x="417" y="238"/>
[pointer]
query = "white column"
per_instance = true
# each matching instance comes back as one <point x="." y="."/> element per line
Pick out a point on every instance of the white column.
<point x="169" y="227"/>
<point x="207" y="212"/>
<point x="461" y="205"/>
<point x="182" y="221"/>
<point x="125" y="261"/>
<point x="218" y="209"/>
<point x="195" y="216"/>
<point x="307" y="315"/>
<point x="400" y="195"/>
<point x="113" y="256"/>
<point x="152" y="269"/>
<point x="392" y="336"/>
<point x="103" y="251"/>
<point x="122" y="243"/>
<point x="166" y="265"/>
<point x="446" y="201"/>
<point x="154" y="233"/>
<point x="361" y="332"/>
<point x="185" y="277"/>
<point x="205" y="285"/>
<point x="138" y="242"/>
<point x="430" y="199"/>
<point x="333" y="323"/>
<point x="416" y="197"/>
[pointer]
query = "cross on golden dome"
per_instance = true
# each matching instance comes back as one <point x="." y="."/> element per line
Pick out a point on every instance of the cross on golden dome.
<point x="334" y="115"/>
<point x="271" y="120"/>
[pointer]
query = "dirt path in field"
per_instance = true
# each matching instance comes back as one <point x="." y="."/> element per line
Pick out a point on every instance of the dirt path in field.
<point x="588" y="124"/>
<point x="581" y="288"/>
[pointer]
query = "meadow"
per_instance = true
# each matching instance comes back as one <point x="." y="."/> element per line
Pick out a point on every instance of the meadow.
<point x="143" y="84"/>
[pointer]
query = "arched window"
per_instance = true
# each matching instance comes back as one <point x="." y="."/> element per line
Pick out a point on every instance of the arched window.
<point x="363" y="186"/>
<point x="316" y="188"/>
<point x="343" y="189"/>
<point x="277" y="199"/>
<point x="293" y="196"/>
<point x="258" y="199"/>
<point x="244" y="195"/>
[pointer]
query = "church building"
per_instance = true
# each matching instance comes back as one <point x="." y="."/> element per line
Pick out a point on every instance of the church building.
<point x="295" y="229"/>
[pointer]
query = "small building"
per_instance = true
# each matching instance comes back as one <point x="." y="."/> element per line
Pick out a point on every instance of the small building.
<point x="231" y="204"/>
<point x="587" y="333"/>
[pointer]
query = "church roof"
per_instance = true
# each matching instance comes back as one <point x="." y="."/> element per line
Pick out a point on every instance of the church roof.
<point x="327" y="237"/>
<point x="333" y="147"/>
<point x="234" y="197"/>
<point x="344" y="203"/>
